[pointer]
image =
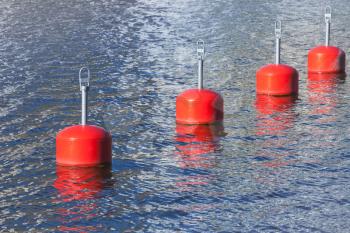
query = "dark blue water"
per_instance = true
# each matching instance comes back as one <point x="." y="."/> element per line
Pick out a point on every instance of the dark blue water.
<point x="276" y="167"/>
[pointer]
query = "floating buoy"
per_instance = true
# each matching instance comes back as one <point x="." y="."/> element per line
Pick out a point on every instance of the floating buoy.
<point x="83" y="145"/>
<point x="199" y="106"/>
<point x="326" y="59"/>
<point x="277" y="79"/>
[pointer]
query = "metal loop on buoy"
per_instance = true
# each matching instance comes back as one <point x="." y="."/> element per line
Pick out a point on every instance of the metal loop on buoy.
<point x="278" y="29"/>
<point x="200" y="49"/>
<point x="84" y="82"/>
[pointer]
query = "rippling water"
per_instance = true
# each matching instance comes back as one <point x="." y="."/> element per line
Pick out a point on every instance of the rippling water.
<point x="274" y="166"/>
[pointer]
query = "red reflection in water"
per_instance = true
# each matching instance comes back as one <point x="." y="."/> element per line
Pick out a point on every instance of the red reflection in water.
<point x="78" y="186"/>
<point x="323" y="100"/>
<point x="273" y="116"/>
<point x="194" y="142"/>
<point x="321" y="89"/>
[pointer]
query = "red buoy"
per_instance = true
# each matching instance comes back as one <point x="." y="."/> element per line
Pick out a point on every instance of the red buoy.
<point x="277" y="79"/>
<point x="199" y="106"/>
<point x="83" y="145"/>
<point x="326" y="59"/>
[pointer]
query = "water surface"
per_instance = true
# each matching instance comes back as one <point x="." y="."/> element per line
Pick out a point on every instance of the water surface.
<point x="274" y="166"/>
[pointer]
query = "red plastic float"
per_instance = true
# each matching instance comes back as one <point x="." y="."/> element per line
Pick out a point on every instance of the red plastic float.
<point x="326" y="59"/>
<point x="199" y="106"/>
<point x="277" y="79"/>
<point x="83" y="145"/>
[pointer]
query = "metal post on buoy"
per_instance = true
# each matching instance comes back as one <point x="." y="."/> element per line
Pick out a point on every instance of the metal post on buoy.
<point x="326" y="59"/>
<point x="199" y="105"/>
<point x="200" y="55"/>
<point x="278" y="34"/>
<point x="277" y="79"/>
<point x="84" y="88"/>
<point x="84" y="145"/>
<point x="328" y="17"/>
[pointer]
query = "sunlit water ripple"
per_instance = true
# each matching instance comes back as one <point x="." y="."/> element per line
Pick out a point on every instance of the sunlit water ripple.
<point x="281" y="168"/>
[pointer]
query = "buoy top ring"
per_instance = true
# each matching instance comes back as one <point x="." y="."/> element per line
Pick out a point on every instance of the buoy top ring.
<point x="200" y="49"/>
<point x="84" y="82"/>
<point x="278" y="29"/>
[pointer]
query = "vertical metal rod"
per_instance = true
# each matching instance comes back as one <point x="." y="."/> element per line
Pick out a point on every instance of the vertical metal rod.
<point x="200" y="55"/>
<point x="83" y="105"/>
<point x="278" y="34"/>
<point x="200" y="73"/>
<point x="328" y="17"/>
<point x="84" y="88"/>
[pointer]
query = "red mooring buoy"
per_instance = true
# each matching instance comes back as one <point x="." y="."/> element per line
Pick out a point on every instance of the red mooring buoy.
<point x="326" y="59"/>
<point x="277" y="79"/>
<point x="199" y="106"/>
<point x="83" y="145"/>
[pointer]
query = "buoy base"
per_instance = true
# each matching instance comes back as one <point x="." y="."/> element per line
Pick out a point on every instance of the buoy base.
<point x="277" y="80"/>
<point x="326" y="76"/>
<point x="326" y="59"/>
<point x="199" y="106"/>
<point x="83" y="146"/>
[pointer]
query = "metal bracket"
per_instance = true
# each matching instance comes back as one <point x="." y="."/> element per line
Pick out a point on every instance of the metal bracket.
<point x="200" y="49"/>
<point x="278" y="29"/>
<point x="84" y="82"/>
